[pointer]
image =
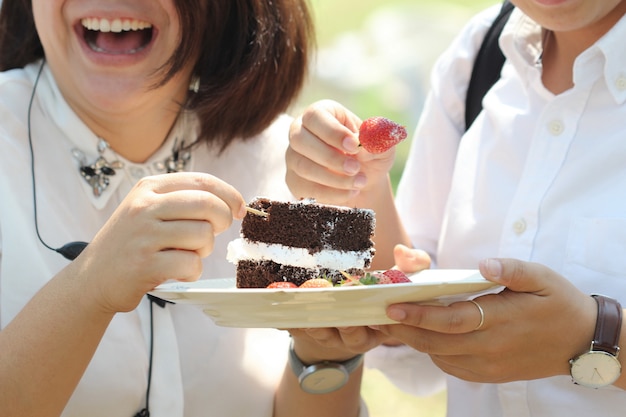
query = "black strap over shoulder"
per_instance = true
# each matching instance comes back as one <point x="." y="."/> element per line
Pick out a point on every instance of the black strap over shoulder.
<point x="487" y="66"/>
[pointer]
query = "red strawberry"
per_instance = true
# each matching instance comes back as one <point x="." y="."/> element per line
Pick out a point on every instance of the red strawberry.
<point x="378" y="134"/>
<point x="395" y="276"/>
<point x="282" y="284"/>
<point x="316" y="283"/>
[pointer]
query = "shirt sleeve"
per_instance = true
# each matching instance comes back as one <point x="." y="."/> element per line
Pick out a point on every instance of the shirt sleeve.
<point x="423" y="189"/>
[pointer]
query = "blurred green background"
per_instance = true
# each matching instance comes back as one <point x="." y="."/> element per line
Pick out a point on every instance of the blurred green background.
<point x="375" y="57"/>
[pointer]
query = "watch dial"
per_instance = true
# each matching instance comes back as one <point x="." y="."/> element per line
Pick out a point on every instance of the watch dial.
<point x="323" y="378"/>
<point x="595" y="369"/>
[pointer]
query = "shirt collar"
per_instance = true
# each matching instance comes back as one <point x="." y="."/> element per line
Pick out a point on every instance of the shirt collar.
<point x="81" y="142"/>
<point x="521" y="39"/>
<point x="521" y="43"/>
<point x="611" y="48"/>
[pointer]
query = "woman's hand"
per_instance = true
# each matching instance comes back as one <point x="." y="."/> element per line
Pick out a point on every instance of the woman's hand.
<point x="324" y="160"/>
<point x="530" y="330"/>
<point x="339" y="344"/>
<point x="161" y="231"/>
<point x="335" y="344"/>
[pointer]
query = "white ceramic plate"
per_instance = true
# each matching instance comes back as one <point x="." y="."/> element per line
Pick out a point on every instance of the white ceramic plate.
<point x="320" y="307"/>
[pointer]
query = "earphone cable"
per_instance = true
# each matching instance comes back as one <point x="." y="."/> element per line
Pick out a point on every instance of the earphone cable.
<point x="32" y="155"/>
<point x="70" y="250"/>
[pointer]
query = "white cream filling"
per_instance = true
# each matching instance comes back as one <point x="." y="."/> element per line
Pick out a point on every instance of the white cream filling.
<point x="115" y="25"/>
<point x="241" y="249"/>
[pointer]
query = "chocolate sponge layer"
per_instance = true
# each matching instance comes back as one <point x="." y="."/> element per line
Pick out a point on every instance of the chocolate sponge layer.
<point x="311" y="226"/>
<point x="259" y="274"/>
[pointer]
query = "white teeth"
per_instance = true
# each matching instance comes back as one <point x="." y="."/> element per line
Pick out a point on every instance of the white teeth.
<point x="116" y="25"/>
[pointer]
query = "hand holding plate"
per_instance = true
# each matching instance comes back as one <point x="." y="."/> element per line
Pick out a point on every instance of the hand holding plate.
<point x="527" y="333"/>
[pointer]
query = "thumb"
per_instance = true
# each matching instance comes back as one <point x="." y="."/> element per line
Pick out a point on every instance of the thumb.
<point x="410" y="260"/>
<point x="518" y="275"/>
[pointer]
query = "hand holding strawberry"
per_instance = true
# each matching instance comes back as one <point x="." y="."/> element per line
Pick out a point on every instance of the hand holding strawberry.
<point x="379" y="134"/>
<point x="327" y="160"/>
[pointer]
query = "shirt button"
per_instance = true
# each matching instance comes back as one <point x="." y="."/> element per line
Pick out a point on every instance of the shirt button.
<point x="620" y="83"/>
<point x="556" y="127"/>
<point x="137" y="172"/>
<point x="519" y="226"/>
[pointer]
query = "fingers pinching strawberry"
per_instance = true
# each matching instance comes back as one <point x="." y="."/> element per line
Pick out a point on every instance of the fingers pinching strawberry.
<point x="379" y="134"/>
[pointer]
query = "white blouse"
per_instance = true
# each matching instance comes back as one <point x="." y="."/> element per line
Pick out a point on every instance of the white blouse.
<point x="538" y="177"/>
<point x="200" y="369"/>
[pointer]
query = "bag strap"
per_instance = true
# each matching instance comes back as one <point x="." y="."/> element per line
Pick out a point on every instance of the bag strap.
<point x="487" y="66"/>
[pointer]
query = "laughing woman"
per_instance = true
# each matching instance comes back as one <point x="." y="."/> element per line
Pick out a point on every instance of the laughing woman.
<point x="141" y="127"/>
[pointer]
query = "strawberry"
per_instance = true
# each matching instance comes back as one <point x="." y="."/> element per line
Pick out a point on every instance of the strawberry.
<point x="378" y="134"/>
<point x="383" y="279"/>
<point x="282" y="284"/>
<point x="395" y="276"/>
<point x="316" y="283"/>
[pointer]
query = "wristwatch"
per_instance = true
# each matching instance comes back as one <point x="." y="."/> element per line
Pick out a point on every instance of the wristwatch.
<point x="599" y="366"/>
<point x="322" y="377"/>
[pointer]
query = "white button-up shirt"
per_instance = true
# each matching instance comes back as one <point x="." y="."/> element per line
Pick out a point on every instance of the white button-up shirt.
<point x="539" y="177"/>
<point x="200" y="369"/>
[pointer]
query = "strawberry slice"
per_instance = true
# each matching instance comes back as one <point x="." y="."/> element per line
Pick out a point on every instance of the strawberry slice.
<point x="379" y="134"/>
<point x="396" y="276"/>
<point x="282" y="284"/>
<point x="316" y="283"/>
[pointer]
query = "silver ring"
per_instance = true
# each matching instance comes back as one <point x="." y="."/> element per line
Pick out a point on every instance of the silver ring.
<point x="482" y="314"/>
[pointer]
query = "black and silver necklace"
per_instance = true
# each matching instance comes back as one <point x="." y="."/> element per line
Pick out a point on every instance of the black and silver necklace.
<point x="98" y="173"/>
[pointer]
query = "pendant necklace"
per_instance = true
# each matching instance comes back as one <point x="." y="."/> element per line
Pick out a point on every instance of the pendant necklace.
<point x="98" y="173"/>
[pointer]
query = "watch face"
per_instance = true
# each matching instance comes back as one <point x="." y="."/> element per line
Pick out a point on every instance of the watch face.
<point x="323" y="378"/>
<point x="595" y="369"/>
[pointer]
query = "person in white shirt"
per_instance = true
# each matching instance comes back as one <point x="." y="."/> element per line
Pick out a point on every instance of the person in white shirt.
<point x="532" y="194"/>
<point x="141" y="127"/>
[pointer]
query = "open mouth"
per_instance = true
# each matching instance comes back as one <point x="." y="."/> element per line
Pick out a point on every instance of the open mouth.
<point x="118" y="36"/>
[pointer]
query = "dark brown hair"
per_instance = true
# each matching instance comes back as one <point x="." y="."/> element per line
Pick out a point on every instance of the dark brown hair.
<point x="252" y="60"/>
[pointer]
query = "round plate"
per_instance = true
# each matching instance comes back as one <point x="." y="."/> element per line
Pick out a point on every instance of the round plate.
<point x="321" y="307"/>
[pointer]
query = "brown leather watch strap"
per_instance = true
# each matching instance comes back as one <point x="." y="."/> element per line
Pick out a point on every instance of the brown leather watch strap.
<point x="608" y="325"/>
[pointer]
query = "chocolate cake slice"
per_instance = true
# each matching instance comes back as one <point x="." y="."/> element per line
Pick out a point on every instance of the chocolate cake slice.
<point x="297" y="241"/>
